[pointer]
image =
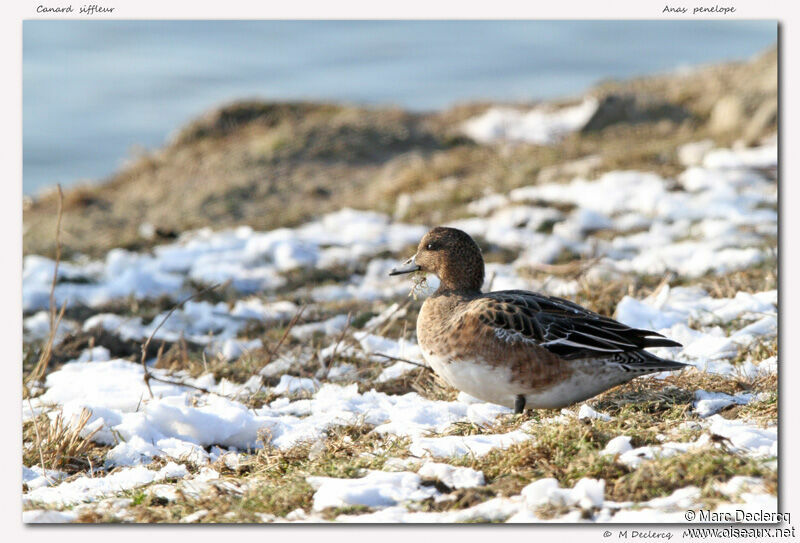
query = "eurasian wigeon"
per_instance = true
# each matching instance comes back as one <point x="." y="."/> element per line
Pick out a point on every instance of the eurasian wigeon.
<point x="517" y="348"/>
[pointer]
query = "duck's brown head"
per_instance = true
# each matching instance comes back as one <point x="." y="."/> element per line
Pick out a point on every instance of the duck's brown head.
<point x="451" y="255"/>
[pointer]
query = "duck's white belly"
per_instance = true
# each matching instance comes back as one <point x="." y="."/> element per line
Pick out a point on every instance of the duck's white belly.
<point x="476" y="378"/>
<point x="494" y="383"/>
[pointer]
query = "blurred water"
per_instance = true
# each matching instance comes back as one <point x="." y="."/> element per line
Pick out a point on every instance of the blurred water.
<point x="94" y="89"/>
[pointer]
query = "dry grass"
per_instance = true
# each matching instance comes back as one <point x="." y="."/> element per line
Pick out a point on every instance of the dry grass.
<point x="764" y="411"/>
<point x="570" y="452"/>
<point x="59" y="445"/>
<point x="702" y="469"/>
<point x="271" y="481"/>
<point x="751" y="280"/>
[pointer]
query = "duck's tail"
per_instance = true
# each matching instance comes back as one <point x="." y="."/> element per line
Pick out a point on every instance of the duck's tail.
<point x="646" y="362"/>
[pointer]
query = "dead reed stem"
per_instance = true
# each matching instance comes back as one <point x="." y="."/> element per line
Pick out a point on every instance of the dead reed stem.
<point x="55" y="315"/>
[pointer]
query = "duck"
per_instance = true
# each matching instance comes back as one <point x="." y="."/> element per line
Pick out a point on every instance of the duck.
<point x="516" y="348"/>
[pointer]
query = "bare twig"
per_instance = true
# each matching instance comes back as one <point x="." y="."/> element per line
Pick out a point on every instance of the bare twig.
<point x="152" y="377"/>
<point x="44" y="358"/>
<point x="291" y="325"/>
<point x="147" y="375"/>
<point x="58" y="259"/>
<point x="388" y="320"/>
<point x="338" y="342"/>
<point x="184" y="351"/>
<point x="274" y="351"/>
<point x="396" y="359"/>
<point x="665" y="281"/>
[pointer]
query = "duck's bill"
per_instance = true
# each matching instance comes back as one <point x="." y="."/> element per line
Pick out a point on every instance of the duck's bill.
<point x="409" y="266"/>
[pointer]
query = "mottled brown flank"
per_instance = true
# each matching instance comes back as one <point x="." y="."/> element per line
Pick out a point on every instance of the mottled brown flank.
<point x="450" y="325"/>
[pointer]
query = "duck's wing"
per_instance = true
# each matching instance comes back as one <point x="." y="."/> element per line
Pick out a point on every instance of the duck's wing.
<point x="562" y="327"/>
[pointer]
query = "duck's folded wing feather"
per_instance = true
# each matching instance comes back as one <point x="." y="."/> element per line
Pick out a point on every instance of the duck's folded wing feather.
<point x="561" y="326"/>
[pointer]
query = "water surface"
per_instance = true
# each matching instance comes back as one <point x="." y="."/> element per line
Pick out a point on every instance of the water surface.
<point x="92" y="90"/>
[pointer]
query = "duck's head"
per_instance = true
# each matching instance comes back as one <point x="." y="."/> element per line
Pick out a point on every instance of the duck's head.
<point x="451" y="255"/>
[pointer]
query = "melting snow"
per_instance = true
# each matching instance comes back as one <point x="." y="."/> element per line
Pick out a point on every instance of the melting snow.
<point x="717" y="215"/>
<point x="586" y="412"/>
<point x="376" y="489"/>
<point x="586" y="493"/>
<point x="745" y="437"/>
<point x="537" y="125"/>
<point x="618" y="445"/>
<point x="452" y="476"/>
<point x="708" y="403"/>
<point x="84" y="489"/>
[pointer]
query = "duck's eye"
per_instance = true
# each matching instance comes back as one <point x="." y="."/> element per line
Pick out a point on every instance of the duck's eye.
<point x="430" y="247"/>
